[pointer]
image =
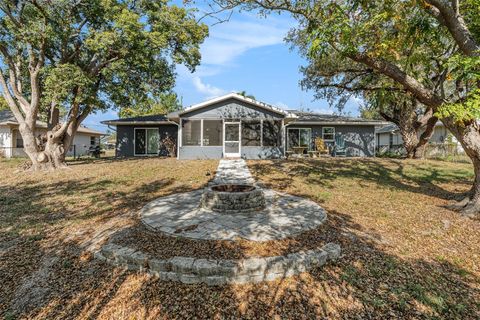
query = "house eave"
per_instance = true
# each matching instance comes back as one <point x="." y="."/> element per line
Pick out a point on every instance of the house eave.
<point x="126" y="123"/>
<point x="41" y="125"/>
<point x="324" y="123"/>
<point x="234" y="96"/>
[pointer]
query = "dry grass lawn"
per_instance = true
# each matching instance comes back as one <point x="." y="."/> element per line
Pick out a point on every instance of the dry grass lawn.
<point x="404" y="254"/>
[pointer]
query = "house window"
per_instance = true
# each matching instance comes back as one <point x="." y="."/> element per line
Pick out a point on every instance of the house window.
<point x="212" y="132"/>
<point x="146" y="141"/>
<point x="328" y="133"/>
<point x="251" y="133"/>
<point x="191" y="132"/>
<point x="19" y="141"/>
<point x="92" y="141"/>
<point x="391" y="140"/>
<point x="301" y="137"/>
<point x="272" y="133"/>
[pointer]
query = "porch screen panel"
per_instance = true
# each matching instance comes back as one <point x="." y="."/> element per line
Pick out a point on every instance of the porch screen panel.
<point x="272" y="136"/>
<point x="152" y="141"/>
<point x="191" y="132"/>
<point x="140" y="141"/>
<point x="212" y="132"/>
<point x="251" y="133"/>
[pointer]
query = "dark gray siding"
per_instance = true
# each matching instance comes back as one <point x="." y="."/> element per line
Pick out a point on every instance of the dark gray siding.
<point x="359" y="139"/>
<point x="261" y="152"/>
<point x="232" y="109"/>
<point x="125" y="138"/>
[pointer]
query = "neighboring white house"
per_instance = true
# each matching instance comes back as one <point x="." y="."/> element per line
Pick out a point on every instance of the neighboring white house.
<point x="390" y="139"/>
<point x="11" y="142"/>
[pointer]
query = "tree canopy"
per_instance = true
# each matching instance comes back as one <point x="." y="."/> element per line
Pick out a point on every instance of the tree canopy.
<point x="88" y="55"/>
<point x="430" y="49"/>
<point x="163" y="104"/>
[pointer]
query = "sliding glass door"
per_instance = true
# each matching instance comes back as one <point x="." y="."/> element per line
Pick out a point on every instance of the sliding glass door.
<point x="299" y="137"/>
<point x="147" y="141"/>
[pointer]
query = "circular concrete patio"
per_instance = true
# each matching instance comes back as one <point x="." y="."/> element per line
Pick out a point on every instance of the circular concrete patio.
<point x="181" y="215"/>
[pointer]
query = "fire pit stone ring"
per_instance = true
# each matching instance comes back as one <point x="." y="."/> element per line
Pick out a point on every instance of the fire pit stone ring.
<point x="231" y="198"/>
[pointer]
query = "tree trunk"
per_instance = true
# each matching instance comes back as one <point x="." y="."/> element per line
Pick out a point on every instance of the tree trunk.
<point x="46" y="151"/>
<point x="469" y="137"/>
<point x="410" y="125"/>
<point x="410" y="141"/>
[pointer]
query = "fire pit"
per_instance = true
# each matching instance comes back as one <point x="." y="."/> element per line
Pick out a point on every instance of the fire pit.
<point x="230" y="198"/>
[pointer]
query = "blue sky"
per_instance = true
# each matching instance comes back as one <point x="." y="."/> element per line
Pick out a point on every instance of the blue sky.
<point x="249" y="53"/>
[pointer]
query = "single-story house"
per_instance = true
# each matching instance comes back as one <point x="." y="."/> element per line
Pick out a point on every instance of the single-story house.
<point x="389" y="139"/>
<point x="235" y="126"/>
<point x="11" y="142"/>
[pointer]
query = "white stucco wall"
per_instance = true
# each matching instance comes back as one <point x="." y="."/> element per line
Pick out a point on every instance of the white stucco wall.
<point x="82" y="144"/>
<point x="8" y="143"/>
<point x="5" y="141"/>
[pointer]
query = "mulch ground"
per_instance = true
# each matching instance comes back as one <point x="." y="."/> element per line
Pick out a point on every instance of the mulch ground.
<point x="404" y="255"/>
<point x="161" y="246"/>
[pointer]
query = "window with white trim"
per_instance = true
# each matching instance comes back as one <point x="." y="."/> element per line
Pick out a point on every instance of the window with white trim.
<point x="328" y="133"/>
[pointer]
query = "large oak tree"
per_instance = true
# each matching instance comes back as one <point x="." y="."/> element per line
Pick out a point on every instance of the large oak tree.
<point x="61" y="60"/>
<point x="370" y="32"/>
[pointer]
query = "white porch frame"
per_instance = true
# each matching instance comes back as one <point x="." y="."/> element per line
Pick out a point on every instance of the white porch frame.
<point x="239" y="123"/>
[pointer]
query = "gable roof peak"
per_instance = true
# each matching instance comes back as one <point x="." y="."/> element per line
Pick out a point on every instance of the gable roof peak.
<point x="233" y="95"/>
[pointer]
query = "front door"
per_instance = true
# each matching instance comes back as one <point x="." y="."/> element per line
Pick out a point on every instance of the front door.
<point x="231" y="139"/>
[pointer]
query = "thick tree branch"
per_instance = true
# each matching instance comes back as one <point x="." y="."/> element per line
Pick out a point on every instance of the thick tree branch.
<point x="449" y="16"/>
<point x="390" y="70"/>
<point x="11" y="102"/>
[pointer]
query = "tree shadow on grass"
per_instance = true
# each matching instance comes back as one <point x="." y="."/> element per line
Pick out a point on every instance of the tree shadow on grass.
<point x="391" y="174"/>
<point x="25" y="205"/>
<point x="366" y="282"/>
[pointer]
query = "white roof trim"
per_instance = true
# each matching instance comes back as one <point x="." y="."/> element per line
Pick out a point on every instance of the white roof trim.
<point x="43" y="125"/>
<point x="235" y="96"/>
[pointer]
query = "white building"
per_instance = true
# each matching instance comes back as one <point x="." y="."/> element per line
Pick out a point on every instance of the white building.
<point x="388" y="138"/>
<point x="11" y="142"/>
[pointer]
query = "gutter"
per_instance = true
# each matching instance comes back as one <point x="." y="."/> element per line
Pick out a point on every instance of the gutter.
<point x="323" y="123"/>
<point x="110" y="123"/>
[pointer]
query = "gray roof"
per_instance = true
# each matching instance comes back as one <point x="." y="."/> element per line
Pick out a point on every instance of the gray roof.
<point x="150" y="118"/>
<point x="7" y="117"/>
<point x="303" y="116"/>
<point x="388" y="128"/>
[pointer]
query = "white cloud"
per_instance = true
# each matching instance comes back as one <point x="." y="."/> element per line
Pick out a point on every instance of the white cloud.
<point x="229" y="40"/>
<point x="207" y="89"/>
<point x="323" y="110"/>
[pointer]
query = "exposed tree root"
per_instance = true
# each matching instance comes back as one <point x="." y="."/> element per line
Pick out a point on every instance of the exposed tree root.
<point x="467" y="208"/>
